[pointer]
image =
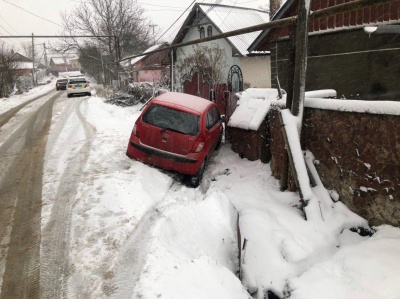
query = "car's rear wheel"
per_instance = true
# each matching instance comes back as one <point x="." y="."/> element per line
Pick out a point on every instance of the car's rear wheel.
<point x="195" y="180"/>
<point x="69" y="95"/>
<point x="217" y="147"/>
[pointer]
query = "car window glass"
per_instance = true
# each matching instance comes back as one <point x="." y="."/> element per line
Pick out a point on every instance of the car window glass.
<point x="210" y="119"/>
<point x="77" y="81"/>
<point x="62" y="81"/>
<point x="175" y="120"/>
<point x="217" y="116"/>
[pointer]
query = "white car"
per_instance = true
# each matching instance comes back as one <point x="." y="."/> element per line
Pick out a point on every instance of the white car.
<point x="78" y="85"/>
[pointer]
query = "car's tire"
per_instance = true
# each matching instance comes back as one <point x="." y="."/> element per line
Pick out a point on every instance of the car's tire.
<point x="89" y="94"/>
<point x="69" y="95"/>
<point x="195" y="180"/>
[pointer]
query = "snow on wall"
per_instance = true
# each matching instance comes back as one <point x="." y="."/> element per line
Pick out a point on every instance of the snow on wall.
<point x="253" y="106"/>
<point x="373" y="107"/>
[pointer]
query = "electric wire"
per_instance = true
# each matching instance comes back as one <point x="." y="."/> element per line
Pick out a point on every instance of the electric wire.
<point x="32" y="13"/>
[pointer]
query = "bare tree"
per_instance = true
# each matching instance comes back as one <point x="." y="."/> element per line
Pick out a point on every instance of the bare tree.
<point x="122" y="20"/>
<point x="8" y="75"/>
<point x="210" y="60"/>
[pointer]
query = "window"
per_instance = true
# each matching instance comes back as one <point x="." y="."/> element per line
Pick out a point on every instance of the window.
<point x="202" y="33"/>
<point x="210" y="119"/>
<point x="213" y="118"/>
<point x="209" y="30"/>
<point x="171" y="119"/>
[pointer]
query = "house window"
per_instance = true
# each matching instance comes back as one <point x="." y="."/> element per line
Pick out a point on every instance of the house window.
<point x="202" y="33"/>
<point x="209" y="30"/>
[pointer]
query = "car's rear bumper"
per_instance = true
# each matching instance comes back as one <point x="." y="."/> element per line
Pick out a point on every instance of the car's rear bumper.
<point x="188" y="164"/>
<point x="78" y="90"/>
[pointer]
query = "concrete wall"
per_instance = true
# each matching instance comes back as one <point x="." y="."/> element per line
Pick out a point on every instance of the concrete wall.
<point x="359" y="157"/>
<point x="256" y="71"/>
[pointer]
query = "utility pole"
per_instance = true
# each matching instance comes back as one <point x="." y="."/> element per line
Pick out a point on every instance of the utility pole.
<point x="45" y="58"/>
<point x="33" y="62"/>
<point x="154" y="37"/>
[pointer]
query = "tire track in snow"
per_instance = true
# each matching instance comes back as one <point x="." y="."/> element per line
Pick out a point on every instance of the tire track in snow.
<point x="20" y="204"/>
<point x="55" y="268"/>
<point x="133" y="258"/>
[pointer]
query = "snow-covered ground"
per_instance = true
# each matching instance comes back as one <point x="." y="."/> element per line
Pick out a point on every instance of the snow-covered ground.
<point x="138" y="232"/>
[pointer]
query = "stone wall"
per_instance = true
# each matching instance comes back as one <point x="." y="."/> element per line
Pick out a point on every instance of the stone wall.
<point x="358" y="156"/>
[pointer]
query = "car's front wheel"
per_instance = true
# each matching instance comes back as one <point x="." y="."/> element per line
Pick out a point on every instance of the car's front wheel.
<point x="195" y="180"/>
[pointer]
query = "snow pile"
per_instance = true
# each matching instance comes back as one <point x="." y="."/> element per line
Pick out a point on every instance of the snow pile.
<point x="253" y="106"/>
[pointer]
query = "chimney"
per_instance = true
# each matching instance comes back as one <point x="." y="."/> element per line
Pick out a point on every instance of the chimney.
<point x="274" y="5"/>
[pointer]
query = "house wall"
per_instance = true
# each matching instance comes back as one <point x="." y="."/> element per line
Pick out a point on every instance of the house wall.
<point x="358" y="156"/>
<point x="149" y="76"/>
<point x="353" y="63"/>
<point x="256" y="71"/>
<point x="183" y="52"/>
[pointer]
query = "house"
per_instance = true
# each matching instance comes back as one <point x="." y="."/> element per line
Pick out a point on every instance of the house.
<point x="24" y="67"/>
<point x="211" y="68"/>
<point x="151" y="67"/>
<point x="65" y="63"/>
<point x="344" y="52"/>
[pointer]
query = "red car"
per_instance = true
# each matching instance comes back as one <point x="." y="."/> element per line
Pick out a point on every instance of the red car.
<point x="177" y="132"/>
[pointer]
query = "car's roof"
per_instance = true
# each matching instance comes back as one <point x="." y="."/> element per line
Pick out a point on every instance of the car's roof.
<point x="185" y="101"/>
<point x="62" y="79"/>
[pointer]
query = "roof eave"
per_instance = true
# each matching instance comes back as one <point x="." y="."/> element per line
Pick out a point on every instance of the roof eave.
<point x="281" y="11"/>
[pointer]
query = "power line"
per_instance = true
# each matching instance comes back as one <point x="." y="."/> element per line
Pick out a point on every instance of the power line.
<point x="5" y="29"/>
<point x="32" y="13"/>
<point x="175" y="21"/>
<point x="9" y="25"/>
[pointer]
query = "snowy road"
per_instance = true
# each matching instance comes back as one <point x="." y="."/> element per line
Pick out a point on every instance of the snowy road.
<point x="25" y="137"/>
<point x="22" y="160"/>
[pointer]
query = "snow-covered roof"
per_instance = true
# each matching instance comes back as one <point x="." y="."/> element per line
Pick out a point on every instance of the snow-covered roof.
<point x="24" y="65"/>
<point x="227" y="18"/>
<point x="253" y="106"/>
<point x="152" y="48"/>
<point x="63" y="60"/>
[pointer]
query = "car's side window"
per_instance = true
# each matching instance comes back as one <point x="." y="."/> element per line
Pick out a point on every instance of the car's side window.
<point x="217" y="116"/>
<point x="210" y="119"/>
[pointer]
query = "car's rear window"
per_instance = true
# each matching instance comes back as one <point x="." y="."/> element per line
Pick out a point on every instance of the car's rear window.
<point x="172" y="119"/>
<point x="62" y="80"/>
<point x="75" y="81"/>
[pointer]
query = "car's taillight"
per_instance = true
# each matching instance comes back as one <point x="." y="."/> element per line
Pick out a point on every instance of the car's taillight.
<point x="198" y="144"/>
<point x="69" y="85"/>
<point x="87" y="85"/>
<point x="135" y="131"/>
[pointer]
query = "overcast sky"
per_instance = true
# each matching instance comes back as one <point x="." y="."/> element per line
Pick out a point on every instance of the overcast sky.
<point x="21" y="20"/>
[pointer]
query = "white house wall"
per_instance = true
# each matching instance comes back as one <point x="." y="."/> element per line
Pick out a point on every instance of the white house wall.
<point x="256" y="71"/>
<point x="193" y="34"/>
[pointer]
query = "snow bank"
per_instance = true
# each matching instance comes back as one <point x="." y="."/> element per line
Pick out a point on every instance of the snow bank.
<point x="253" y="106"/>
<point x="359" y="270"/>
<point x="195" y="252"/>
